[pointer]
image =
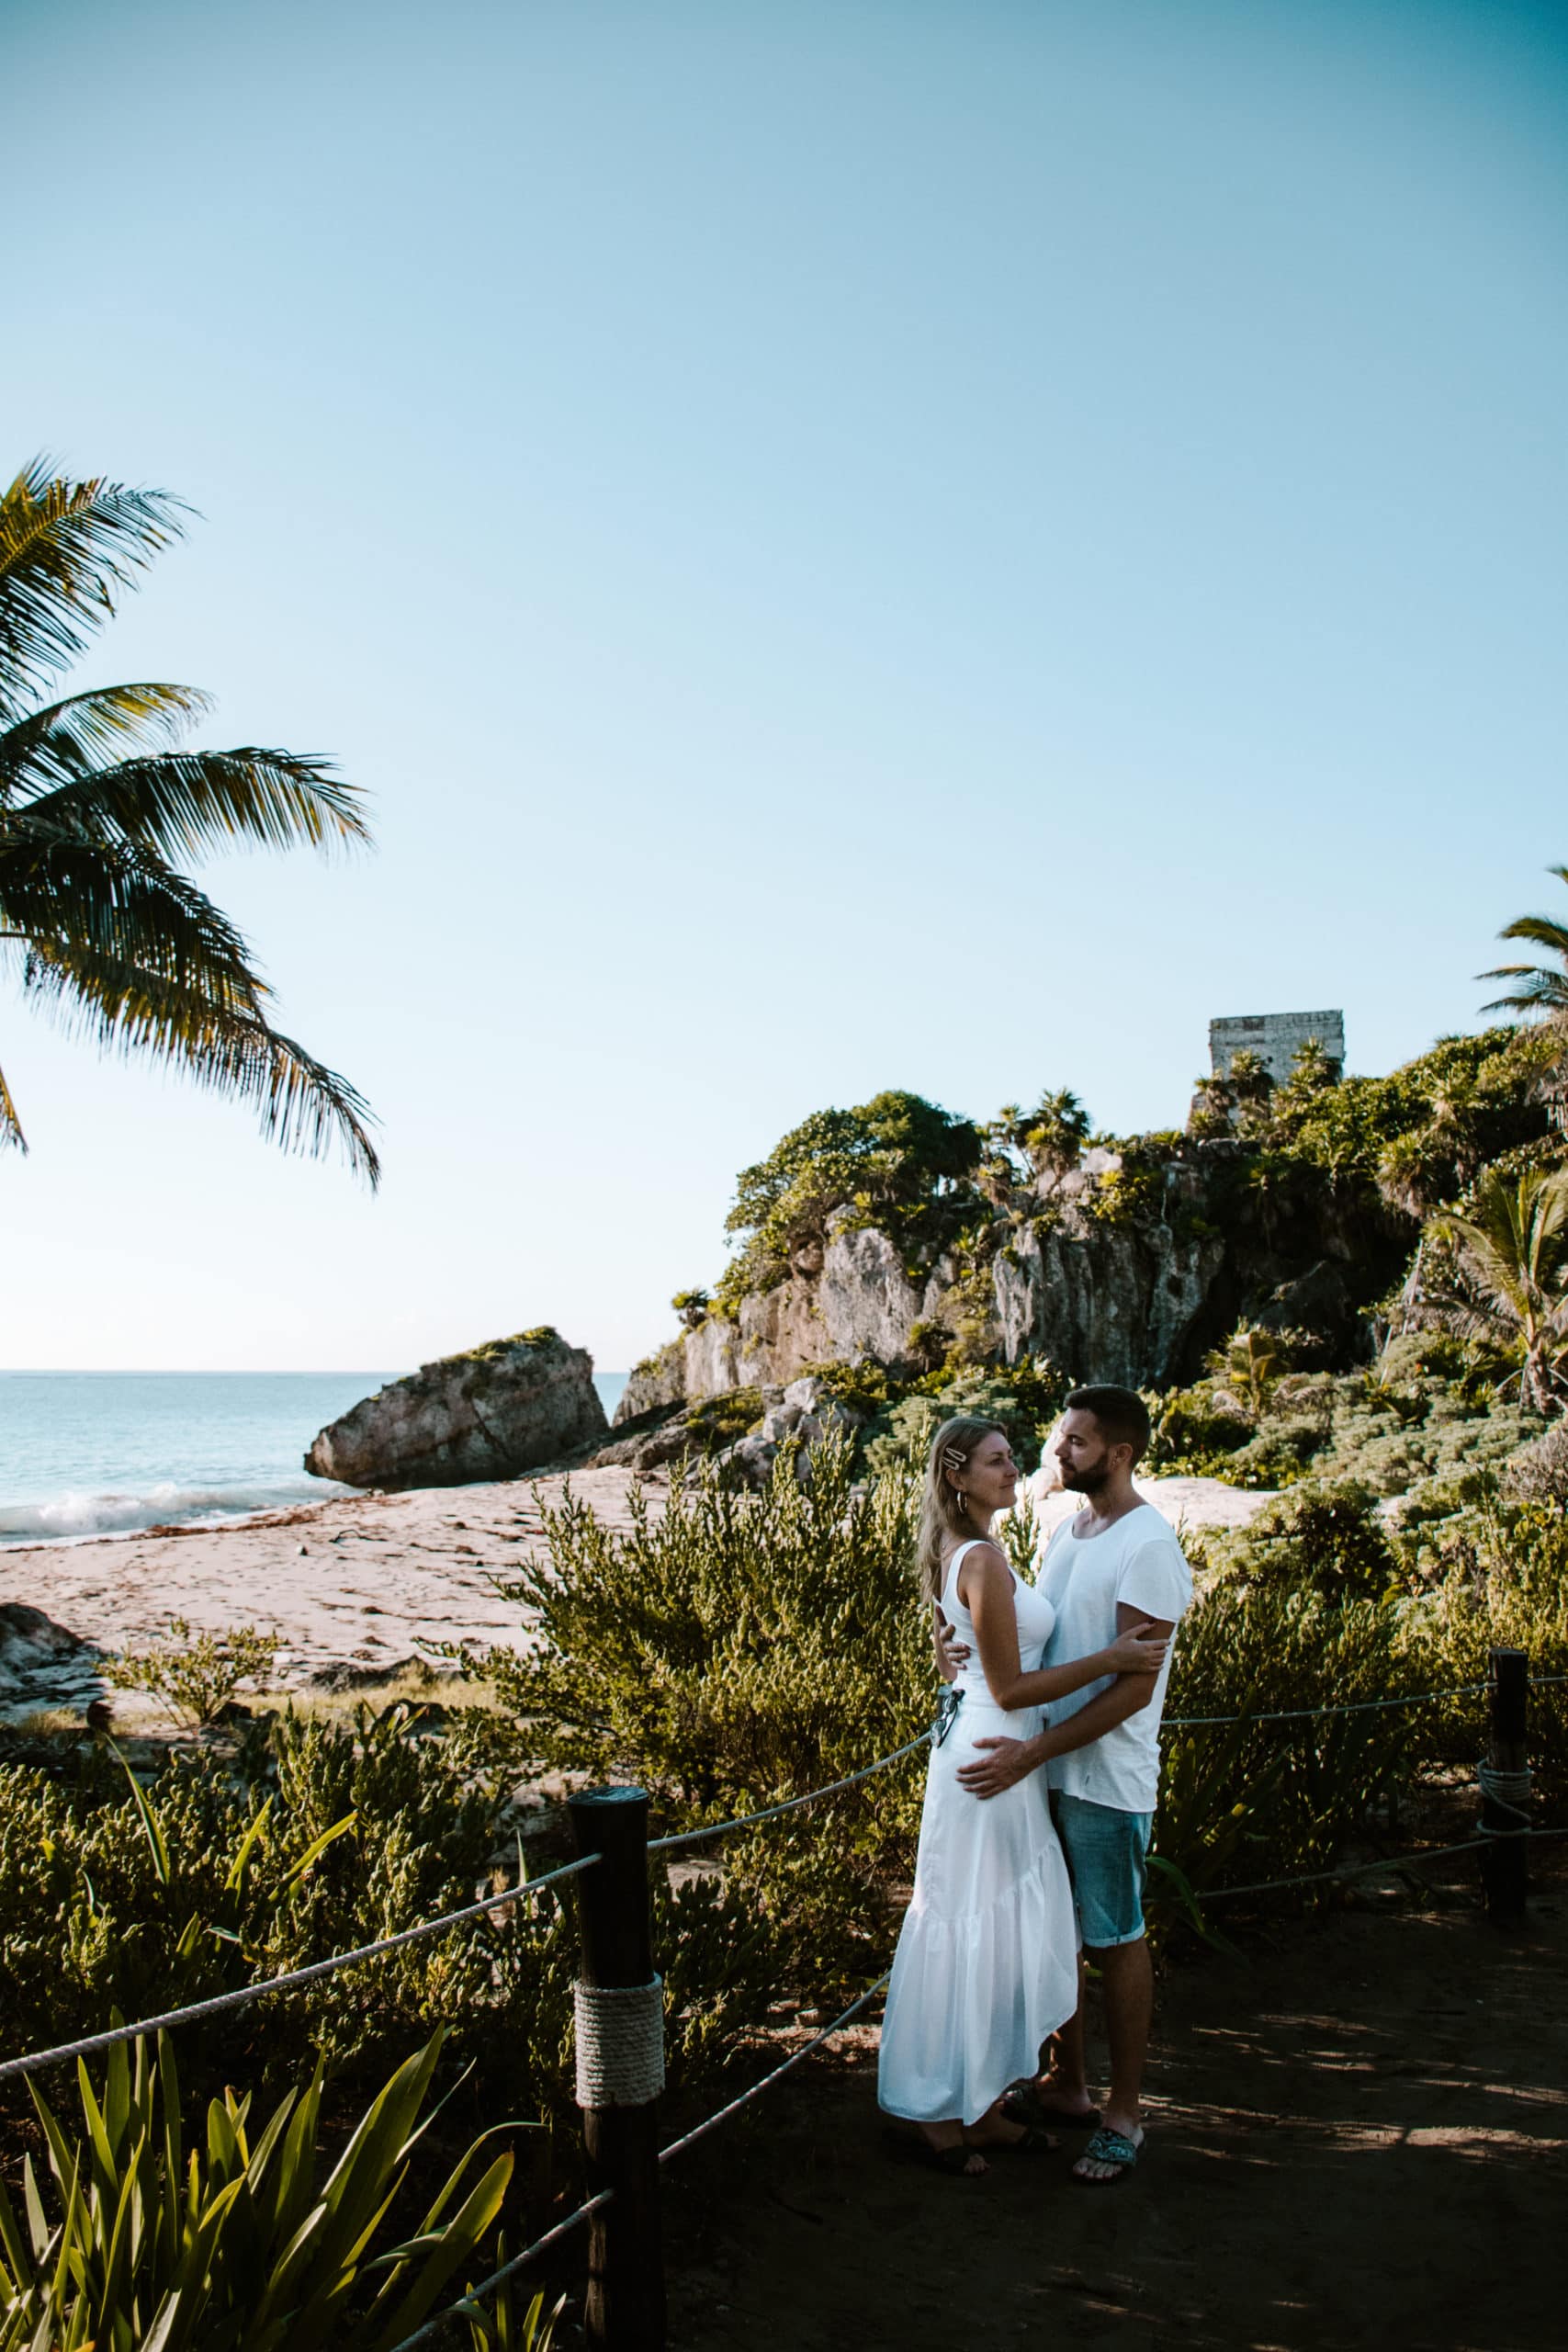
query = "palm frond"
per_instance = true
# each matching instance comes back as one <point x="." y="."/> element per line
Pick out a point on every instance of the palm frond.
<point x="65" y="893"/>
<point x="69" y="739"/>
<point x="65" y="547"/>
<point x="304" y="1106"/>
<point x="10" y="1125"/>
<point x="180" y="803"/>
<point x="1537" y="990"/>
<point x="1540" y="931"/>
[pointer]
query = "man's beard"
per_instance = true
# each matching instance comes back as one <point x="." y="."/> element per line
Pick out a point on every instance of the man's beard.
<point x="1087" y="1482"/>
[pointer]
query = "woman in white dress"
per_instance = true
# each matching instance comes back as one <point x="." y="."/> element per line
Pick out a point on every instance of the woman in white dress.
<point x="986" y="1965"/>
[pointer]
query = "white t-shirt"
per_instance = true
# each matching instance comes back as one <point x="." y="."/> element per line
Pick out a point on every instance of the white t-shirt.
<point x="1137" y="1559"/>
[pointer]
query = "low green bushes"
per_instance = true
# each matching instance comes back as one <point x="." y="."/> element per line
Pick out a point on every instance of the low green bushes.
<point x="1419" y="1418"/>
<point x="738" y="1650"/>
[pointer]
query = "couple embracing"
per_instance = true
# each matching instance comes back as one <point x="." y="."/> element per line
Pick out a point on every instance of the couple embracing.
<point x="1040" y="1797"/>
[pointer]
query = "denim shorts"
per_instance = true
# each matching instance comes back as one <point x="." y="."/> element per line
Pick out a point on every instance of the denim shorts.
<point x="1105" y="1849"/>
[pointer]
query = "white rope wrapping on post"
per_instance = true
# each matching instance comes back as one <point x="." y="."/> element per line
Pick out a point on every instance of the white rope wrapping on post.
<point x="1507" y="1788"/>
<point x="620" y="2044"/>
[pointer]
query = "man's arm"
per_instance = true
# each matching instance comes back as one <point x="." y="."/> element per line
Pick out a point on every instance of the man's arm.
<point x="1008" y="1761"/>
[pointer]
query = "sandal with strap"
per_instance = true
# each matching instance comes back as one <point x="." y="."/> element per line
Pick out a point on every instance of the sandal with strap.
<point x="1022" y="2104"/>
<point x="1035" y="2141"/>
<point x="1107" y="2147"/>
<point x="914" y="2148"/>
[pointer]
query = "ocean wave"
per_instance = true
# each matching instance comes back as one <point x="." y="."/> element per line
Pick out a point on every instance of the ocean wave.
<point x="76" y="1518"/>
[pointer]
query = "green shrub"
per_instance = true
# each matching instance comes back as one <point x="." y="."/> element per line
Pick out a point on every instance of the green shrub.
<point x="119" y="1896"/>
<point x="718" y="1420"/>
<point x="1248" y="1801"/>
<point x="1499" y="1579"/>
<point x="195" y="1677"/>
<point x="1328" y="1541"/>
<point x="897" y="1161"/>
<point x="742" y="1649"/>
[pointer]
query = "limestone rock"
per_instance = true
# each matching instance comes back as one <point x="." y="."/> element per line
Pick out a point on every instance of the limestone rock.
<point x="803" y="1412"/>
<point x="43" y="1663"/>
<point x="495" y="1412"/>
<point x="658" y="1381"/>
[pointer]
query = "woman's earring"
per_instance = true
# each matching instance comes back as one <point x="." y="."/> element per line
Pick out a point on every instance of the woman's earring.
<point x="962" y="1500"/>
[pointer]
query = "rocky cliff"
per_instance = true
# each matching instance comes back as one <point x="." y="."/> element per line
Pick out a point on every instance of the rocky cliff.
<point x="1115" y="1269"/>
<point x="492" y="1413"/>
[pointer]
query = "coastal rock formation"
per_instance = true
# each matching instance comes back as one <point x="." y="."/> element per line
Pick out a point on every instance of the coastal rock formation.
<point x="859" y="1302"/>
<point x="1117" y="1270"/>
<point x="493" y="1413"/>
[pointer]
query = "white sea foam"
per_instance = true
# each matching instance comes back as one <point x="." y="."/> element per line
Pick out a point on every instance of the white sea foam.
<point x="76" y="1518"/>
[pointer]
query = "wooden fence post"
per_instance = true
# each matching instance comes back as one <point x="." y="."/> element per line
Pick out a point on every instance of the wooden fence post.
<point x="1504" y="1874"/>
<point x="620" y="2124"/>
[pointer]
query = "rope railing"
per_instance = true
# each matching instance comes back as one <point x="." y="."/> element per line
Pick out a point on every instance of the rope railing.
<point x="790" y="1804"/>
<point x="286" y="1983"/>
<point x="218" y="2003"/>
<point x="1346" y="1707"/>
<point x="469" y="2304"/>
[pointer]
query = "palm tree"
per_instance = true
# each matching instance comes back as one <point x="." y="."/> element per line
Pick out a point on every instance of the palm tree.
<point x="100" y="807"/>
<point x="1538" y="989"/>
<point x="1250" y="1364"/>
<point x="1511" y="1285"/>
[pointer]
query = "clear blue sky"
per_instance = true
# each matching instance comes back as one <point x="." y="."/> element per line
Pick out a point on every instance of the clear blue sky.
<point x="922" y="545"/>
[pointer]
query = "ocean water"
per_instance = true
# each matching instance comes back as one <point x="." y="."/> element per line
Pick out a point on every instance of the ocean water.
<point x="101" y="1452"/>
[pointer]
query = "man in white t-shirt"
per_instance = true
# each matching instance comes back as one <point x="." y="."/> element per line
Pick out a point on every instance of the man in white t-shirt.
<point x="1115" y="1566"/>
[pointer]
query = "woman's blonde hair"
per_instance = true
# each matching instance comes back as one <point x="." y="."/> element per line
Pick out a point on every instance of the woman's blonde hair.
<point x="942" y="1512"/>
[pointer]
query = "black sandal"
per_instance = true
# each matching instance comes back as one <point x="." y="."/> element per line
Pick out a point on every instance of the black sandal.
<point x="1036" y="2142"/>
<point x="1022" y="2104"/>
<point x="914" y="2148"/>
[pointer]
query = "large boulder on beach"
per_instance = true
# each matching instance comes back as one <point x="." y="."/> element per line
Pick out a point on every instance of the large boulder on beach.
<point x="495" y="1412"/>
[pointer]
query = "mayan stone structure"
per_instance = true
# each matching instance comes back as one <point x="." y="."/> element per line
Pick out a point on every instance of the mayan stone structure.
<point x="1276" y="1038"/>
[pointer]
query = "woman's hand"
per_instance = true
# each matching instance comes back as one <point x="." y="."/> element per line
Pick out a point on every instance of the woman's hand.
<point x="1138" y="1652"/>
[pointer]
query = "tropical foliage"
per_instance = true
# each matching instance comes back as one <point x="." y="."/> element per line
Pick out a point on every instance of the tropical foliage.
<point x="1509" y="1285"/>
<point x="1537" y="988"/>
<point x="103" y="806"/>
<point x="240" y="2246"/>
<point x="897" y="1162"/>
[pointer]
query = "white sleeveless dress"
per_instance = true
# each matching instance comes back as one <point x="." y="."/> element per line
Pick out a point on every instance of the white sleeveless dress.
<point x="986" y="1965"/>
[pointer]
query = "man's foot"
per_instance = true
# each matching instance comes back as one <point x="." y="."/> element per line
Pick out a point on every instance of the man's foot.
<point x="1046" y="2105"/>
<point x="1110" y="2156"/>
<point x="998" y="2130"/>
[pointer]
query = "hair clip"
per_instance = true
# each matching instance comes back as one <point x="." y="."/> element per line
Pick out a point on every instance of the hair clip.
<point x="952" y="1457"/>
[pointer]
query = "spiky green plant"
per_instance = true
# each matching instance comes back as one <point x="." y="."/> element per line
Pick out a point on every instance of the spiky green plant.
<point x="101" y="807"/>
<point x="239" y="2246"/>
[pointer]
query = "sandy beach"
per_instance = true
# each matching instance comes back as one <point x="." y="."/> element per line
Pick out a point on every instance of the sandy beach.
<point x="357" y="1585"/>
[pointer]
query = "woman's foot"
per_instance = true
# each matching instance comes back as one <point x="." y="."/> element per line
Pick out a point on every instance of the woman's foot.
<point x="947" y="2146"/>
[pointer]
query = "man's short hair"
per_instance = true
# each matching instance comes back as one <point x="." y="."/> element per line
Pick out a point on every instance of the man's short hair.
<point x="1121" y="1413"/>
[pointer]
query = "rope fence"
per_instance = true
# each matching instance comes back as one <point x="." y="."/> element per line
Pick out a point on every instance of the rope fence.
<point x="619" y="1994"/>
<point x="285" y="1983"/>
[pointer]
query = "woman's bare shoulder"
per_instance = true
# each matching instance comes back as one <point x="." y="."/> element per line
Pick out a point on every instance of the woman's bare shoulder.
<point x="987" y="1559"/>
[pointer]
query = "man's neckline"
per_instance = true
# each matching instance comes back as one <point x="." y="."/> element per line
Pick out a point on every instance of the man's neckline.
<point x="1120" y="1520"/>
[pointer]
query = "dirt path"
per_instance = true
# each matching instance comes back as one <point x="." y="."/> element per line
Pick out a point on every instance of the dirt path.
<point x="1359" y="2137"/>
